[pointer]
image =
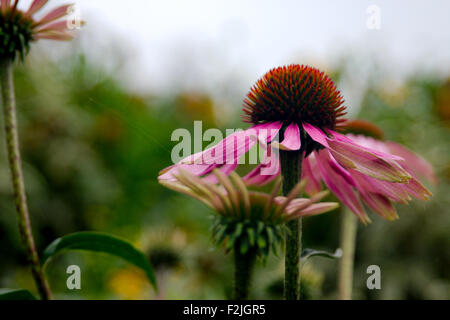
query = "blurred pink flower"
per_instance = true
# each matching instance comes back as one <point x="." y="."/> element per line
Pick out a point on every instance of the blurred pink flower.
<point x="18" y="28"/>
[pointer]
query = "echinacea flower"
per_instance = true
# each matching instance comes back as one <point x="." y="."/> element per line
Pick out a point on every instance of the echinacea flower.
<point x="18" y="28"/>
<point x="301" y="107"/>
<point x="248" y="220"/>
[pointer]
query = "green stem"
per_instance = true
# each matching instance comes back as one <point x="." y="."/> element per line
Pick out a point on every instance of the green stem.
<point x="349" y="224"/>
<point x="12" y="144"/>
<point x="291" y="170"/>
<point x="243" y="271"/>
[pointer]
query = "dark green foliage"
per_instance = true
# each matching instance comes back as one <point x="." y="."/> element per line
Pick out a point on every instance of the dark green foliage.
<point x="16" y="294"/>
<point x="100" y="242"/>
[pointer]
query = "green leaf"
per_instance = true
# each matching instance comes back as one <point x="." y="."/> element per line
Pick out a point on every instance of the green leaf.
<point x="244" y="246"/>
<point x="100" y="242"/>
<point x="16" y="294"/>
<point x="251" y="236"/>
<point x="262" y="243"/>
<point x="308" y="253"/>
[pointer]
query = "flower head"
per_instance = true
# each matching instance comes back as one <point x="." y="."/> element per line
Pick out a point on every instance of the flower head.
<point x="295" y="94"/>
<point x="248" y="220"/>
<point x="18" y="28"/>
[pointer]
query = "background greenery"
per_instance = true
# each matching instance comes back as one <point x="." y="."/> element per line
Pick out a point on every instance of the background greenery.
<point x="92" y="151"/>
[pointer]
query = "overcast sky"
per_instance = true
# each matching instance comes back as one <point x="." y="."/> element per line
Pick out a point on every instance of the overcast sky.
<point x="194" y="43"/>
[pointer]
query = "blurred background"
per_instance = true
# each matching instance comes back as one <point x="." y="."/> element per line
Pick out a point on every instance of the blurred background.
<point x="96" y="117"/>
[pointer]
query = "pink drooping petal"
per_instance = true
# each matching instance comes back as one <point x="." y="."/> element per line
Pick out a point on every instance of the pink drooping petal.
<point x="394" y="191"/>
<point x="54" y="35"/>
<point x="339" y="186"/>
<point x="35" y="6"/>
<point x="56" y="26"/>
<point x="417" y="190"/>
<point x="380" y="204"/>
<point x="54" y="14"/>
<point x="316" y="134"/>
<point x="353" y="157"/>
<point x="310" y="172"/>
<point x="230" y="149"/>
<point x="291" y="139"/>
<point x="376" y="151"/>
<point x="339" y="169"/>
<point x="263" y="173"/>
<point x="413" y="163"/>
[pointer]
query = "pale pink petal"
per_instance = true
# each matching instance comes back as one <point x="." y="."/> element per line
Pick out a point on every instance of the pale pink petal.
<point x="35" y="6"/>
<point x="56" y="26"/>
<point x="311" y="174"/>
<point x="342" y="138"/>
<point x="353" y="157"/>
<point x="417" y="190"/>
<point x="339" y="169"/>
<point x="226" y="169"/>
<point x="394" y="191"/>
<point x="230" y="149"/>
<point x="339" y="186"/>
<point x="413" y="162"/>
<point x="380" y="204"/>
<point x="296" y="204"/>
<point x="259" y="176"/>
<point x="54" y="35"/>
<point x="316" y="208"/>
<point x="195" y="169"/>
<point x="54" y="14"/>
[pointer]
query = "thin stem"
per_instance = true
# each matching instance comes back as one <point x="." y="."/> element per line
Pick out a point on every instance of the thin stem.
<point x="291" y="170"/>
<point x="12" y="144"/>
<point x="349" y="224"/>
<point x="243" y="271"/>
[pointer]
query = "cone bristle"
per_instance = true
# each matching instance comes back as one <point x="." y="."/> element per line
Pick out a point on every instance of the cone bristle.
<point x="294" y="93"/>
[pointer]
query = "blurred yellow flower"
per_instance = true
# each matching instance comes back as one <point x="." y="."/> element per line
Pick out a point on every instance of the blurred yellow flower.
<point x="129" y="284"/>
